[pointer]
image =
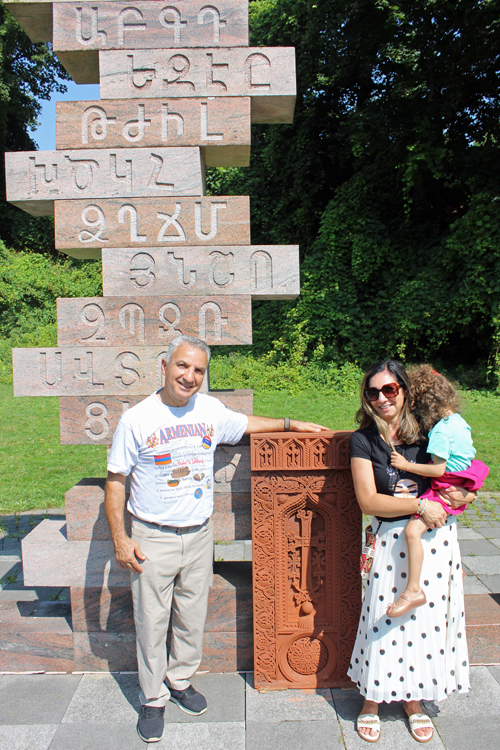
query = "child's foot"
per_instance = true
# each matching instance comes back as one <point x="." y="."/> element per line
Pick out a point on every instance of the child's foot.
<point x="405" y="603"/>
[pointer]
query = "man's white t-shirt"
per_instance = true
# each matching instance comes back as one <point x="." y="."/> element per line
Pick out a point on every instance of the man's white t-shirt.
<point x="169" y="452"/>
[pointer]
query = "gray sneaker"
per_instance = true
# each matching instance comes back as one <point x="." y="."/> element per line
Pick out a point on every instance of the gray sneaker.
<point x="189" y="700"/>
<point x="150" y="723"/>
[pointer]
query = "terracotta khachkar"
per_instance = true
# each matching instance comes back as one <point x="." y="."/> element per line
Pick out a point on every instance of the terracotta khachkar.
<point x="180" y="89"/>
<point x="306" y="527"/>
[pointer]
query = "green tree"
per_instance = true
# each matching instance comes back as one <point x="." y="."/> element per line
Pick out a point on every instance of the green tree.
<point x="28" y="73"/>
<point x="388" y="178"/>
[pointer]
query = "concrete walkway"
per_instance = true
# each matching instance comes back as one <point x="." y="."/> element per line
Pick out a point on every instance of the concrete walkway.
<point x="99" y="711"/>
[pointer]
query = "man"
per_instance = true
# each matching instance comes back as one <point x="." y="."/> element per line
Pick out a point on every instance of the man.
<point x="167" y="443"/>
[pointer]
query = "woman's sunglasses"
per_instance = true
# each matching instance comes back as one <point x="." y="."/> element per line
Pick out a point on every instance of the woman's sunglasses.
<point x="390" y="390"/>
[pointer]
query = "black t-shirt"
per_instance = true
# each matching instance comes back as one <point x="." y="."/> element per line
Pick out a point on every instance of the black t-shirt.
<point x="369" y="444"/>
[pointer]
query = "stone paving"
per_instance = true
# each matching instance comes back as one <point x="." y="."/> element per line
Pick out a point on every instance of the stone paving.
<point x="99" y="711"/>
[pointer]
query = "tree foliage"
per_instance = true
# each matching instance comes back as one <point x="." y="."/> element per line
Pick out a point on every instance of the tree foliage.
<point x="388" y="178"/>
<point x="28" y="73"/>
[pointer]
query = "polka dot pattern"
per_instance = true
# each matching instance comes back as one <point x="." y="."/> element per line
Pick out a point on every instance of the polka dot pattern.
<point x="432" y="636"/>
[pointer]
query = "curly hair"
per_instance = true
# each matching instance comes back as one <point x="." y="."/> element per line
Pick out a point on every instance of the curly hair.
<point x="408" y="428"/>
<point x="432" y="396"/>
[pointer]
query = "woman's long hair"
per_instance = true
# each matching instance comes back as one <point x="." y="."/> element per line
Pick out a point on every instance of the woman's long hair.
<point x="408" y="428"/>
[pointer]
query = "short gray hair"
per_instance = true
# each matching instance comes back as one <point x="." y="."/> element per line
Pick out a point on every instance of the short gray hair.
<point x="190" y="341"/>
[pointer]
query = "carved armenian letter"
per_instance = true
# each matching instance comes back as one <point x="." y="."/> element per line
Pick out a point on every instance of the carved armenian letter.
<point x="263" y="271"/>
<point x="219" y="125"/>
<point x="266" y="74"/>
<point x="306" y="528"/>
<point x="35" y="179"/>
<point x="146" y="222"/>
<point x="198" y="22"/>
<point x="149" y="25"/>
<point x="88" y="420"/>
<point x="88" y="370"/>
<point x="154" y="321"/>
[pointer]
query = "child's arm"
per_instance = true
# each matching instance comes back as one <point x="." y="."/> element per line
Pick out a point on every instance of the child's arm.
<point x="436" y="469"/>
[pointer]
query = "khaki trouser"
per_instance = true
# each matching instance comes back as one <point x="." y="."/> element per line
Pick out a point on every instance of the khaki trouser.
<point x="175" y="580"/>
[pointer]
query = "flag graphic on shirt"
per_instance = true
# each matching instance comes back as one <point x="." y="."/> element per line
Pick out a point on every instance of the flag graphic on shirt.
<point x="164" y="460"/>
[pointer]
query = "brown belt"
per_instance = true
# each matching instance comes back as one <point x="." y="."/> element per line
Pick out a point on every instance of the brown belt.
<point x="177" y="529"/>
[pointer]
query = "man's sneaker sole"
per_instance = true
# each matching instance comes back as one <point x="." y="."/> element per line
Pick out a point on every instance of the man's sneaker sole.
<point x="151" y="739"/>
<point x="187" y="710"/>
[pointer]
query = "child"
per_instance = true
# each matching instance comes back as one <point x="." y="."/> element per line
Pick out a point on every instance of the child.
<point x="433" y="399"/>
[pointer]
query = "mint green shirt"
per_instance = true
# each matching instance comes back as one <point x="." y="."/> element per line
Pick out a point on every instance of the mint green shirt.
<point x="450" y="439"/>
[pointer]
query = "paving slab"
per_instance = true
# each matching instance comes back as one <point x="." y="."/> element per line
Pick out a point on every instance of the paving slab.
<point x="492" y="533"/>
<point x="102" y="697"/>
<point x="483" y="564"/>
<point x="36" y="699"/>
<point x="97" y="737"/>
<point x="225" y="694"/>
<point x="477" y="547"/>
<point x="10" y="566"/>
<point x="495" y="671"/>
<point x="482" y="700"/>
<point x="492" y="582"/>
<point x="473" y="585"/>
<point x="394" y="729"/>
<point x="293" y="735"/>
<point x="288" y="705"/>
<point x="34" y="737"/>
<point x="464" y="532"/>
<point x="463" y="734"/>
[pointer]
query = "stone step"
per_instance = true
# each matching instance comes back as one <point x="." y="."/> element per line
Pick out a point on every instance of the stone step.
<point x="86" y="519"/>
<point x="482" y="615"/>
<point x="110" y="609"/>
<point x="35" y="637"/>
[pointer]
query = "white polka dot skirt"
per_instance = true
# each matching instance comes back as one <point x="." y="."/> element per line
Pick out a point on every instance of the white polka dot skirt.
<point x="422" y="655"/>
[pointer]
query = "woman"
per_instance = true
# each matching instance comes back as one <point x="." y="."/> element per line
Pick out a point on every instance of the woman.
<point x="423" y="654"/>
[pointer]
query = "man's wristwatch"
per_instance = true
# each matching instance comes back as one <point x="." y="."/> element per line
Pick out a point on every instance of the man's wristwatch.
<point x="286" y="426"/>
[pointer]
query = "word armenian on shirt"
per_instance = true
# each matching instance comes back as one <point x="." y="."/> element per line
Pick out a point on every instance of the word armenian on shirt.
<point x="169" y="454"/>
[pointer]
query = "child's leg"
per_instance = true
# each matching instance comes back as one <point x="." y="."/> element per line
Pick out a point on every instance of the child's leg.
<point x="413" y="533"/>
<point x="412" y="596"/>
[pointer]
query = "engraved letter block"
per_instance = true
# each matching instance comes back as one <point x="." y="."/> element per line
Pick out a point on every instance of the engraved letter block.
<point x="35" y="179"/>
<point x="220" y="126"/>
<point x="266" y="74"/>
<point x="92" y="421"/>
<point x="154" y="321"/>
<point x="146" y="222"/>
<point x="306" y="533"/>
<point x="263" y="271"/>
<point x="83" y="371"/>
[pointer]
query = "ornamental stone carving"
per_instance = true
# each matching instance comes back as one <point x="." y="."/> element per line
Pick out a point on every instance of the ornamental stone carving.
<point x="306" y="527"/>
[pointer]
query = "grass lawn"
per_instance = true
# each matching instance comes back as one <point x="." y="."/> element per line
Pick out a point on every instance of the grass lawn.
<point x="37" y="470"/>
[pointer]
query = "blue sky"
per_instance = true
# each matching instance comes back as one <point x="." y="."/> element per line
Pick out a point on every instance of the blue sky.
<point x="45" y="135"/>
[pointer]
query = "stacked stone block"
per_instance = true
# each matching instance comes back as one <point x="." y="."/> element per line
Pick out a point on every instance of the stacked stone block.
<point x="180" y="88"/>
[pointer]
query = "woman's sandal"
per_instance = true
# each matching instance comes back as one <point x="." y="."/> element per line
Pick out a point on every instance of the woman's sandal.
<point x="420" y="721"/>
<point x="411" y="603"/>
<point x="368" y="721"/>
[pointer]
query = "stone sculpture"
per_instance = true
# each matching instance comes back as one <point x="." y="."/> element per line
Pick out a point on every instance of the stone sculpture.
<point x="180" y="88"/>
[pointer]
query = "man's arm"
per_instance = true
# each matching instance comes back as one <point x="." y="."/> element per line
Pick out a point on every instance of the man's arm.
<point x="267" y="424"/>
<point x="127" y="552"/>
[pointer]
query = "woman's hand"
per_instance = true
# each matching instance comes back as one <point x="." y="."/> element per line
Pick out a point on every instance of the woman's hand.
<point x="434" y="515"/>
<point x="455" y="497"/>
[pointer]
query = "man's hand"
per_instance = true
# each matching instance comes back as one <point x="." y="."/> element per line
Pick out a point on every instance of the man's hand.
<point x="267" y="424"/>
<point x="127" y="552"/>
<point x="297" y="426"/>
